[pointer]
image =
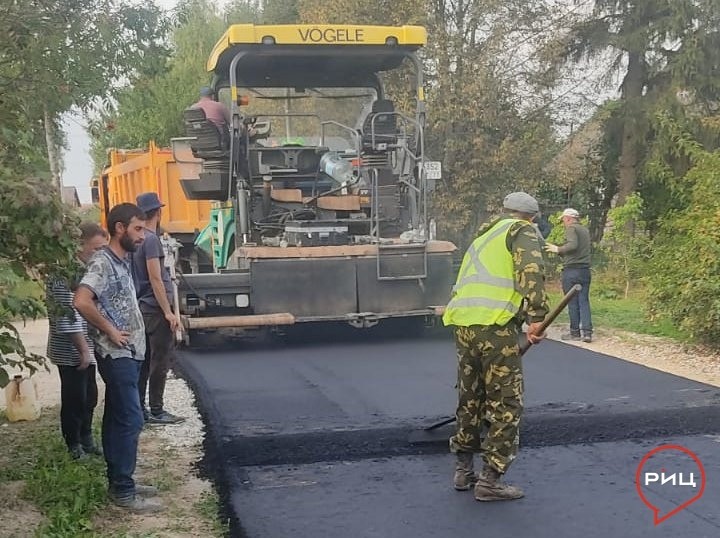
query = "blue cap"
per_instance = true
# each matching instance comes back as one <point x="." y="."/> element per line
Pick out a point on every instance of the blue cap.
<point x="206" y="91"/>
<point x="148" y="201"/>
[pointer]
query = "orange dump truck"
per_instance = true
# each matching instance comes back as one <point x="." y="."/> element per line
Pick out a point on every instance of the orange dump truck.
<point x="131" y="172"/>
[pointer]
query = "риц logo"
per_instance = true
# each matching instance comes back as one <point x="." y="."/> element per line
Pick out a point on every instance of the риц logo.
<point x="658" y="478"/>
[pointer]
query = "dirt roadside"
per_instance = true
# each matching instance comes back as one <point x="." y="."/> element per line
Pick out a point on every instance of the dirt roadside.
<point x="690" y="361"/>
<point x="167" y="459"/>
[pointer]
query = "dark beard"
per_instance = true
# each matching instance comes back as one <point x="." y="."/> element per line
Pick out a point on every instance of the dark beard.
<point x="127" y="244"/>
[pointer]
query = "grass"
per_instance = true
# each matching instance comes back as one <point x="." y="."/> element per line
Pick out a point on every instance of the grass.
<point x="164" y="478"/>
<point x="620" y="313"/>
<point x="68" y="493"/>
<point x="209" y="508"/>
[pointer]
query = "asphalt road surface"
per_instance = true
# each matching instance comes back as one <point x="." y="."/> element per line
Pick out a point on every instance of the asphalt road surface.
<point x="326" y="439"/>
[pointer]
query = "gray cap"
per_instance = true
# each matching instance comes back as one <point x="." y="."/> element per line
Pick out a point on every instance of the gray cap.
<point x="206" y="91"/>
<point x="521" y="201"/>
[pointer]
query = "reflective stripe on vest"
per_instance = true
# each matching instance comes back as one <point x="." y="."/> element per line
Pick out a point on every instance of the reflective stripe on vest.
<point x="484" y="293"/>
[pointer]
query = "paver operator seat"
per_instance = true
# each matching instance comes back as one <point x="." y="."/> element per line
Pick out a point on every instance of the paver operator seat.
<point x="384" y="127"/>
<point x="213" y="146"/>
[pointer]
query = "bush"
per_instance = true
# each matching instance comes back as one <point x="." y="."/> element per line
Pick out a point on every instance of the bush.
<point x="684" y="276"/>
<point x="37" y="238"/>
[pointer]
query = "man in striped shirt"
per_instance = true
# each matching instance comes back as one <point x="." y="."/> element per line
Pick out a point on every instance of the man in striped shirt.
<point x="70" y="349"/>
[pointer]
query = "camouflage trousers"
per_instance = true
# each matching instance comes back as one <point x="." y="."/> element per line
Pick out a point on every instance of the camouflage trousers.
<point x="490" y="393"/>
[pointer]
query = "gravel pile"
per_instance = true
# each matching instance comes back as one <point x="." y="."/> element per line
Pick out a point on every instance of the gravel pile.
<point x="179" y="400"/>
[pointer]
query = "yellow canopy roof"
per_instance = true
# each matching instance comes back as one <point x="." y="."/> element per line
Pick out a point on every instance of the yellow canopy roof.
<point x="250" y="37"/>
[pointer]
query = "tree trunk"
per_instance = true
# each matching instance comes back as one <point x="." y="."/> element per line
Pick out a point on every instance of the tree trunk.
<point x="52" y="151"/>
<point x="632" y="88"/>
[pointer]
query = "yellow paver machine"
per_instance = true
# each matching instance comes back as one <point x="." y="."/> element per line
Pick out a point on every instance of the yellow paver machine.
<point x="320" y="183"/>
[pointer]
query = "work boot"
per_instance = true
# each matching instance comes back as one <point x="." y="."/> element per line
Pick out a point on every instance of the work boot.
<point x="572" y="335"/>
<point x="138" y="504"/>
<point x="464" y="477"/>
<point x="77" y="452"/>
<point x="587" y="336"/>
<point x="163" y="417"/>
<point x="145" y="491"/>
<point x="89" y="446"/>
<point x="490" y="488"/>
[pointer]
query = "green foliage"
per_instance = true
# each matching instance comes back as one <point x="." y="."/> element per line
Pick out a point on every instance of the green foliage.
<point x="626" y="245"/>
<point x="209" y="508"/>
<point x="37" y="238"/>
<point x="683" y="274"/>
<point x="67" y="493"/>
<point x="53" y="56"/>
<point x="59" y="55"/>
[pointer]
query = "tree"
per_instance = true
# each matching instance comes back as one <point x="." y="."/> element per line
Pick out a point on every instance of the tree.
<point x="585" y="169"/>
<point x="53" y="56"/>
<point x="685" y="264"/>
<point x="655" y="45"/>
<point x="59" y="55"/>
<point x="627" y="253"/>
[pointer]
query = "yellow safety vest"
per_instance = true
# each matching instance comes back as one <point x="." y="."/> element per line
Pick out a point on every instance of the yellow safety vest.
<point x="485" y="293"/>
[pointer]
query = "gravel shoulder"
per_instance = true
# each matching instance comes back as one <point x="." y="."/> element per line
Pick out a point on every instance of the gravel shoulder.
<point x="690" y="361"/>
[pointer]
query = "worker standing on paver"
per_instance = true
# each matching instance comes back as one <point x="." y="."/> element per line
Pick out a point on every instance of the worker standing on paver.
<point x="500" y="285"/>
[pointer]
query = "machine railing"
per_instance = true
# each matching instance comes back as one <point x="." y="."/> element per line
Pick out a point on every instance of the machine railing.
<point x="413" y="177"/>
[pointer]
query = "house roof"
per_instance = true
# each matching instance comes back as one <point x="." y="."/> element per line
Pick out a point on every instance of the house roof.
<point x="70" y="196"/>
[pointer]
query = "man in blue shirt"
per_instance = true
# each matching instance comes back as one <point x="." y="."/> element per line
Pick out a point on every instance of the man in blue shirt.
<point x="155" y="296"/>
<point x="106" y="299"/>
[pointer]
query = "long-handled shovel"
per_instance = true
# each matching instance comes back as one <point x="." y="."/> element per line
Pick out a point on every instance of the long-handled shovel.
<point x="524" y="346"/>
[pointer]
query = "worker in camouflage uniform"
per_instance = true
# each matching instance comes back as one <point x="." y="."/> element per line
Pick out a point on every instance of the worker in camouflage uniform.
<point x="500" y="285"/>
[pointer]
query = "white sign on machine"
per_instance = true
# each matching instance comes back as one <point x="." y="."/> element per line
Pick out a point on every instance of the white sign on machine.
<point x="433" y="170"/>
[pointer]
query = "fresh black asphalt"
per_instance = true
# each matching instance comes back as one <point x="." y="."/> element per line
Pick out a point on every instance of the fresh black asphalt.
<point x="319" y="438"/>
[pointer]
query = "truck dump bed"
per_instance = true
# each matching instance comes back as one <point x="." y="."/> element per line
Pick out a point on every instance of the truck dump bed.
<point x="132" y="172"/>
